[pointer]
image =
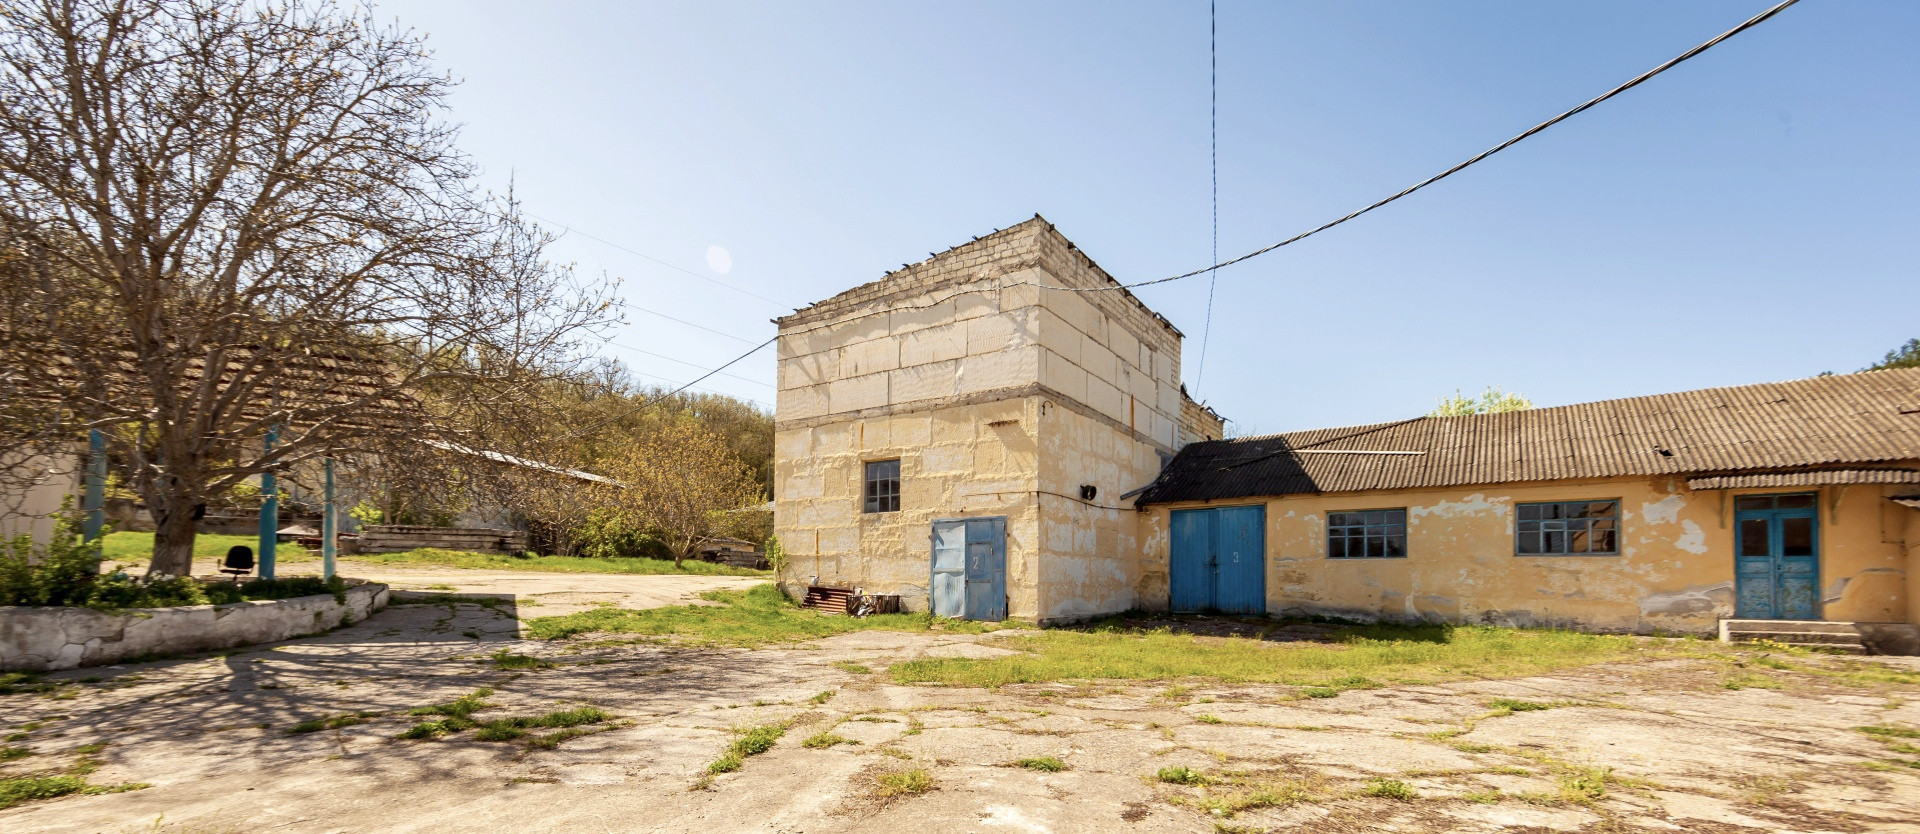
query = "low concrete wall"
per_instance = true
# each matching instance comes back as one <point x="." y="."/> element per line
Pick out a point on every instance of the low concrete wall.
<point x="35" y="639"/>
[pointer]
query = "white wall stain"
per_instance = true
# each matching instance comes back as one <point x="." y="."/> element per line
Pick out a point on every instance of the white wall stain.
<point x="1694" y="540"/>
<point x="1664" y="511"/>
<point x="1471" y="505"/>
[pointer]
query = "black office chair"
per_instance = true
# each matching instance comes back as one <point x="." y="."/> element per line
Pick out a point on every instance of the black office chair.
<point x="239" y="561"/>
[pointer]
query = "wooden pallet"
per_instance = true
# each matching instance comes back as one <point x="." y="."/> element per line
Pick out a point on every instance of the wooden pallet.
<point x="827" y="600"/>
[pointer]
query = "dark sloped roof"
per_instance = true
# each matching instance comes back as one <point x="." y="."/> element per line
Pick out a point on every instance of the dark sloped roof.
<point x="1865" y="418"/>
<point x="1811" y="477"/>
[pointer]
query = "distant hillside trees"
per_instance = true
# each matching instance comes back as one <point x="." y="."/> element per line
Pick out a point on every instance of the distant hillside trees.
<point x="1492" y="401"/>
<point x="1904" y="356"/>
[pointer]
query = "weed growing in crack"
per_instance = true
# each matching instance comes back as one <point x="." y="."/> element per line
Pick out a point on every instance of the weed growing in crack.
<point x="314" y="725"/>
<point x="504" y="659"/>
<point x="825" y="739"/>
<point x="1044" y="764"/>
<point x="1181" y="775"/>
<point x="1389" y="789"/>
<point x="902" y="783"/>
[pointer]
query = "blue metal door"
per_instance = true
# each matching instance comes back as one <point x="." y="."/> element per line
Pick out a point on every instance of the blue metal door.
<point x="1190" y="572"/>
<point x="1239" y="547"/>
<point x="970" y="568"/>
<point x="1218" y="560"/>
<point x="1777" y="557"/>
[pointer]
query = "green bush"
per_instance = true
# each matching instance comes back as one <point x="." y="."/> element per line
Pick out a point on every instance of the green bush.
<point x="605" y="536"/>
<point x="61" y="573"/>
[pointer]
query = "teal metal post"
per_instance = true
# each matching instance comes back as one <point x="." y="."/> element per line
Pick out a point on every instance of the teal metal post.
<point x="269" y="512"/>
<point x="93" y="497"/>
<point x="327" y="527"/>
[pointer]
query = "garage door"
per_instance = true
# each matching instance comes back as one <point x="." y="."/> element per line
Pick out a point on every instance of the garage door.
<point x="1219" y="559"/>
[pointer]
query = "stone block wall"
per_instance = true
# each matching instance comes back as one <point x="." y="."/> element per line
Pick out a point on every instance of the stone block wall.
<point x="999" y="397"/>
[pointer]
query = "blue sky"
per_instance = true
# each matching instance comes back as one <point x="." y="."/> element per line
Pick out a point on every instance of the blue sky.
<point x="1748" y="216"/>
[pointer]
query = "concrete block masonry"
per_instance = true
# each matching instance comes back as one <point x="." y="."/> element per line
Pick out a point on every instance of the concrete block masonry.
<point x="35" y="639"/>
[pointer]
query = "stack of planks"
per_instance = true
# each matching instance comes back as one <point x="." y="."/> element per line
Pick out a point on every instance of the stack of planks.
<point x="393" y="538"/>
<point x="827" y="600"/>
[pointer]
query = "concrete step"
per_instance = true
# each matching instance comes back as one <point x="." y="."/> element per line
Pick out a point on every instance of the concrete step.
<point x="1818" y="638"/>
<point x="1802" y="626"/>
<point x="1837" y="648"/>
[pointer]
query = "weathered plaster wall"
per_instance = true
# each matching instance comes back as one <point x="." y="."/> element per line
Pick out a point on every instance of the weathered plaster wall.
<point x="35" y="489"/>
<point x="45" y="639"/>
<point x="999" y="399"/>
<point x="1674" y="572"/>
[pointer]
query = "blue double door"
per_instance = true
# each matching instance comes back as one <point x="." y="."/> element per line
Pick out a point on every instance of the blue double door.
<point x="1776" y="561"/>
<point x="1218" y="560"/>
<point x="970" y="568"/>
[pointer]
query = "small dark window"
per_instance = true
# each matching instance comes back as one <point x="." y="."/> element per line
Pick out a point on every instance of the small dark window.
<point x="1367" y="534"/>
<point x="1568" y="528"/>
<point x="883" y="486"/>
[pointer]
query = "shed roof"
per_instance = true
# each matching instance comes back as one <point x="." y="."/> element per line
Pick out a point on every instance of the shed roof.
<point x="1858" y="420"/>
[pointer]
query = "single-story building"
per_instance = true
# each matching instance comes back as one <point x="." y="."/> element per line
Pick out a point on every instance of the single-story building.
<point x="1788" y="500"/>
<point x="999" y="431"/>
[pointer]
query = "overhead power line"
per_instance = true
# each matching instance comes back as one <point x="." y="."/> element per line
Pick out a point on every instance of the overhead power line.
<point x="673" y="266"/>
<point x="629" y="305"/>
<point x="652" y="401"/>
<point x="1213" y="134"/>
<point x="695" y="366"/>
<point x="1590" y="103"/>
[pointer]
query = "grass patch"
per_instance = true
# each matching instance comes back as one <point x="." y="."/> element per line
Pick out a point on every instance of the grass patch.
<point x="821" y="698"/>
<point x="457" y="715"/>
<point x="752" y="742"/>
<point x="314" y="725"/>
<point x="1389" y="789"/>
<point x="8" y="754"/>
<point x="1209" y="719"/>
<point x="133" y="549"/>
<point x="1889" y="731"/>
<point x="549" y="564"/>
<point x="902" y="783"/>
<point x="504" y="659"/>
<point x="1044" y="764"/>
<point x="1585" y="784"/>
<point x="1749" y="681"/>
<point x="17" y="789"/>
<point x="1181" y="775"/>
<point x="1358" y="658"/>
<point x="757" y="740"/>
<point x="754" y="617"/>
<point x="1274" y="795"/>
<point x="1512" y="705"/>
<point x="850" y="666"/>
<point x="824" y="740"/>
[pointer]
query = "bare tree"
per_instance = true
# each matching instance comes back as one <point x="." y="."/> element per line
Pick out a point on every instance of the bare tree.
<point x="221" y="218"/>
<point x="680" y="479"/>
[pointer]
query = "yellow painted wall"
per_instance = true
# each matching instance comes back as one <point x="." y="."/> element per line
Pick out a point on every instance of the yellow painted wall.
<point x="1674" y="572"/>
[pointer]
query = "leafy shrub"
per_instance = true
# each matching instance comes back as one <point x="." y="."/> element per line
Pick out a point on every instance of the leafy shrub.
<point x="61" y="573"/>
<point x="604" y="535"/>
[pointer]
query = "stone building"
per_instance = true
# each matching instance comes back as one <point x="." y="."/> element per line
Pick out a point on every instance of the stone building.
<point x="955" y="434"/>
<point x="999" y="432"/>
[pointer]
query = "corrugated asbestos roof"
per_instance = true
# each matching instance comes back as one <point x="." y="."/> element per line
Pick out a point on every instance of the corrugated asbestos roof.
<point x="1853" y="419"/>
<point x="1815" y="477"/>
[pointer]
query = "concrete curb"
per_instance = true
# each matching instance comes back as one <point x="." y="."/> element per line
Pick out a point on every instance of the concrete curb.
<point x="45" y="639"/>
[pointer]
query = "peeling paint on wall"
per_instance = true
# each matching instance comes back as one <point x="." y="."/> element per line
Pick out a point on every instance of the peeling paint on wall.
<point x="1663" y="511"/>
<point x="1474" y="504"/>
<point x="1694" y="540"/>
<point x="1693" y="599"/>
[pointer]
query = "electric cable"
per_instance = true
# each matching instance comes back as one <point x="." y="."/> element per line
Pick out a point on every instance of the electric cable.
<point x="1590" y="103"/>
